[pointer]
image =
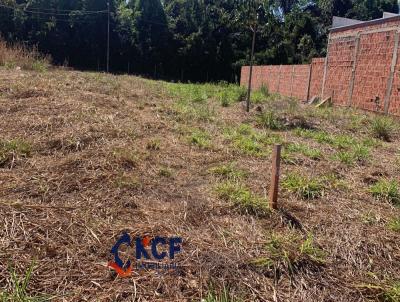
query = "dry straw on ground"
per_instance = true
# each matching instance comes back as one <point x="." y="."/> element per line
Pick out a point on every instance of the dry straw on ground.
<point x="115" y="153"/>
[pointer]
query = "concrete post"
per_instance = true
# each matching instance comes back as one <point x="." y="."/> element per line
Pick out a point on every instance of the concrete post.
<point x="309" y="82"/>
<point x="292" y="81"/>
<point x="279" y="78"/>
<point x="325" y="68"/>
<point x="353" y="70"/>
<point x="392" y="70"/>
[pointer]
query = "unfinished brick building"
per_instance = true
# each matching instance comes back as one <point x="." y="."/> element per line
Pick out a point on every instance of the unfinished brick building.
<point x="361" y="68"/>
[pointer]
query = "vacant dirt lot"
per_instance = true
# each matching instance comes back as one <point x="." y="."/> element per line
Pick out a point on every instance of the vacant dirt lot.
<point x="85" y="157"/>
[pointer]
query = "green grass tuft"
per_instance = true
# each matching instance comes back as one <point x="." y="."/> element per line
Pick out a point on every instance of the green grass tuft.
<point x="309" y="248"/>
<point x="383" y="127"/>
<point x="392" y="294"/>
<point x="19" y="290"/>
<point x="200" y="138"/>
<point x="229" y="172"/>
<point x="154" y="144"/>
<point x="251" y="142"/>
<point x="387" y="190"/>
<point x="286" y="252"/>
<point x="303" y="187"/>
<point x="306" y="150"/>
<point x="165" y="172"/>
<point x="221" y="296"/>
<point x="13" y="149"/>
<point x="269" y="120"/>
<point x="394" y="224"/>
<point x="242" y="198"/>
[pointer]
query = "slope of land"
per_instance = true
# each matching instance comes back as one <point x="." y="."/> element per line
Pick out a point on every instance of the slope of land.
<point x="87" y="156"/>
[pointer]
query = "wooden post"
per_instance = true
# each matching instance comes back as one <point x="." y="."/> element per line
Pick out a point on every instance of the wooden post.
<point x="276" y="163"/>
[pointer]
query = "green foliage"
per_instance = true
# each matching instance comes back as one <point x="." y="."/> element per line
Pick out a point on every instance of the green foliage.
<point x="12" y="150"/>
<point x="340" y="141"/>
<point x="394" y="224"/>
<point x="306" y="150"/>
<point x="19" y="290"/>
<point x="264" y="90"/>
<point x="182" y="40"/>
<point x="392" y="293"/>
<point x="154" y="144"/>
<point x="229" y="172"/>
<point x="251" y="142"/>
<point x="165" y="172"/>
<point x="127" y="158"/>
<point x="302" y="186"/>
<point x="242" y="198"/>
<point x="221" y="296"/>
<point x="387" y="190"/>
<point x="309" y="248"/>
<point x="269" y="120"/>
<point x="358" y="153"/>
<point x="200" y="138"/>
<point x="286" y="252"/>
<point x="383" y="128"/>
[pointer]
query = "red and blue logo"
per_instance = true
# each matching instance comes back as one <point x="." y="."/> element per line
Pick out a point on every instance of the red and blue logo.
<point x="149" y="253"/>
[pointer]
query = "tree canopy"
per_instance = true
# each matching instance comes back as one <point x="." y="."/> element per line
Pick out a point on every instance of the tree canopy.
<point x="187" y="40"/>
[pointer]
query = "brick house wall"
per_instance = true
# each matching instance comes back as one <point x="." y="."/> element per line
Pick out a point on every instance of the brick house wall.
<point x="362" y="69"/>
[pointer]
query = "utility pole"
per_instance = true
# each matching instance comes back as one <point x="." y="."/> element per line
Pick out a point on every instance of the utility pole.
<point x="254" y="29"/>
<point x="108" y="36"/>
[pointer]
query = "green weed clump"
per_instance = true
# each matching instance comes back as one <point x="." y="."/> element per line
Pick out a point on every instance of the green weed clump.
<point x="242" y="198"/>
<point x="306" y="150"/>
<point x="127" y="158"/>
<point x="269" y="120"/>
<point x="251" y="142"/>
<point x="200" y="138"/>
<point x="154" y="144"/>
<point x="394" y="224"/>
<point x="288" y="252"/>
<point x="357" y="154"/>
<point x="383" y="127"/>
<point x="392" y="293"/>
<point x="229" y="172"/>
<point x="304" y="187"/>
<point x="12" y="150"/>
<point x="264" y="90"/>
<point x="340" y="141"/>
<point x="165" y="172"/>
<point x="387" y="190"/>
<point x="220" y="296"/>
<point x="19" y="290"/>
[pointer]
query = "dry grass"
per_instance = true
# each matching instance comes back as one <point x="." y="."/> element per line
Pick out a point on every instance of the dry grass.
<point x="107" y="154"/>
<point x="13" y="56"/>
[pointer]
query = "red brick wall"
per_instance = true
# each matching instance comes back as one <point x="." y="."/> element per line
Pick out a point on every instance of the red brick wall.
<point x="300" y="81"/>
<point x="355" y="76"/>
<point x="373" y="70"/>
<point x="317" y="76"/>
<point x="340" y="64"/>
<point x="289" y="80"/>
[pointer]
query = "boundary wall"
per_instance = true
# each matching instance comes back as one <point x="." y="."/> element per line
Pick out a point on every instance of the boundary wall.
<point x="361" y="69"/>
